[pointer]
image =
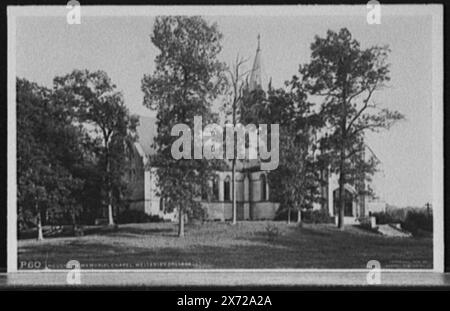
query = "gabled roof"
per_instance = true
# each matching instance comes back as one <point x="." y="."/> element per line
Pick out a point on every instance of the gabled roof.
<point x="147" y="131"/>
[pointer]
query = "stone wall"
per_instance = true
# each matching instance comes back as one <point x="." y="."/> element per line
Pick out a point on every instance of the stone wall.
<point x="215" y="210"/>
<point x="263" y="210"/>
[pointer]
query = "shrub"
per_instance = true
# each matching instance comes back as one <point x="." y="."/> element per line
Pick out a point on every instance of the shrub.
<point x="416" y="222"/>
<point x="282" y="214"/>
<point x="25" y="224"/>
<point x="366" y="224"/>
<point x="316" y="217"/>
<point x="272" y="232"/>
<point x="78" y="230"/>
<point x="197" y="213"/>
<point x="384" y="218"/>
<point x="136" y="216"/>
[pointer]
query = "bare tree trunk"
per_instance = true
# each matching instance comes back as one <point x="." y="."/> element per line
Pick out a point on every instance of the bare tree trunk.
<point x="341" y="178"/>
<point x="110" y="209"/>
<point x="233" y="163"/>
<point x="180" y="222"/>
<point x="341" y="199"/>
<point x="342" y="158"/>
<point x="233" y="189"/>
<point x="108" y="184"/>
<point x="40" y="235"/>
<point x="289" y="215"/>
<point x="299" y="216"/>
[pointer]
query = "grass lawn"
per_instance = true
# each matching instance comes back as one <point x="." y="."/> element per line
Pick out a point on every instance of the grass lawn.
<point x="216" y="245"/>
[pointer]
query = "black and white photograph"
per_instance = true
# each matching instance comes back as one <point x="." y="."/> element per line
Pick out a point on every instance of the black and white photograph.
<point x="210" y="138"/>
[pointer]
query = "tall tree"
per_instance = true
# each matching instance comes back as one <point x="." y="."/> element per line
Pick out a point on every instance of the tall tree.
<point x="98" y="104"/>
<point x="236" y="83"/>
<point x="344" y="76"/>
<point x="48" y="155"/>
<point x="186" y="81"/>
<point x="295" y="182"/>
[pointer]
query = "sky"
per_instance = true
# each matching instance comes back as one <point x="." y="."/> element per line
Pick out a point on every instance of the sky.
<point x="120" y="45"/>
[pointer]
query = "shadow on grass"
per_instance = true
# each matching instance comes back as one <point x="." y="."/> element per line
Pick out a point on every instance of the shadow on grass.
<point x="124" y="230"/>
<point x="312" y="247"/>
<point x="67" y="231"/>
<point x="336" y="249"/>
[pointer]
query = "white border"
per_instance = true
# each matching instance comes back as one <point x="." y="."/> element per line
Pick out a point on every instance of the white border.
<point x="223" y="10"/>
<point x="11" y="177"/>
<point x="299" y="10"/>
<point x="437" y="79"/>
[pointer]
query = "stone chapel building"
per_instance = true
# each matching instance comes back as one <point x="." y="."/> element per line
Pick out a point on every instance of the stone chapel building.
<point x="252" y="187"/>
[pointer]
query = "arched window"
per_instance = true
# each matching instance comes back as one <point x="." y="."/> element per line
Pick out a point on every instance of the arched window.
<point x="162" y="204"/>
<point x="226" y="189"/>
<point x="215" y="186"/>
<point x="204" y="192"/>
<point x="206" y="189"/>
<point x="263" y="188"/>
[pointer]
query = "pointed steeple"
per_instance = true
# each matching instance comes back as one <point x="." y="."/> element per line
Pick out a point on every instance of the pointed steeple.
<point x="256" y="73"/>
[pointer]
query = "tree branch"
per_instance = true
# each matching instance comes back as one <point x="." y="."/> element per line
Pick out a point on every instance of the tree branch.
<point x="366" y="105"/>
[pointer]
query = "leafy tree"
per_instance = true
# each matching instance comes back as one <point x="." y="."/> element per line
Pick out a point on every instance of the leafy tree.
<point x="184" y="85"/>
<point x="295" y="182"/>
<point x="98" y="105"/>
<point x="47" y="156"/>
<point x="343" y="76"/>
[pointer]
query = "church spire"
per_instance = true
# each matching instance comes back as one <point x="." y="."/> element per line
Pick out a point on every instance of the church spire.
<point x="256" y="73"/>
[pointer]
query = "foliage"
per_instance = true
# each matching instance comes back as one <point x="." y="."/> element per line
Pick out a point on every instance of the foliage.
<point x="385" y="218"/>
<point x="185" y="83"/>
<point x="416" y="222"/>
<point x="296" y="181"/>
<point x="60" y="162"/>
<point x="282" y="214"/>
<point x="48" y="157"/>
<point x="97" y="104"/>
<point x="343" y="77"/>
<point x="316" y="217"/>
<point x="136" y="216"/>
